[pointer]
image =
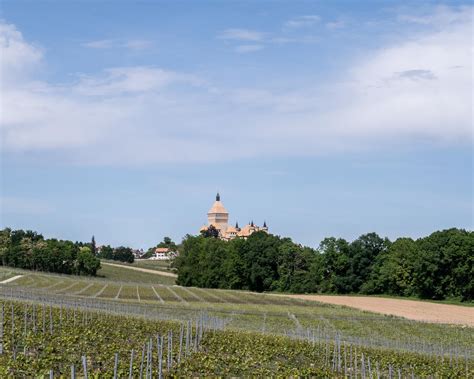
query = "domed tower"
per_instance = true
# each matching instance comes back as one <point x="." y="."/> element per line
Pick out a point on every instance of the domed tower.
<point x="218" y="215"/>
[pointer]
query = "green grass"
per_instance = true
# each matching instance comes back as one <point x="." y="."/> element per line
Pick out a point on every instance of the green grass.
<point x="144" y="263"/>
<point x="7" y="274"/>
<point x="124" y="274"/>
<point x="152" y="264"/>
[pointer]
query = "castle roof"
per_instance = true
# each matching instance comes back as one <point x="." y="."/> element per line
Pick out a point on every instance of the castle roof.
<point x="218" y="207"/>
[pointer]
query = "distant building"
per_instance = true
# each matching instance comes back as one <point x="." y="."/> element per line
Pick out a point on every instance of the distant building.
<point x="219" y="218"/>
<point x="163" y="254"/>
<point x="138" y="253"/>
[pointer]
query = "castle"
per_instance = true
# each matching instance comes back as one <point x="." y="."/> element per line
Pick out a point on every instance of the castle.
<point x="218" y="217"/>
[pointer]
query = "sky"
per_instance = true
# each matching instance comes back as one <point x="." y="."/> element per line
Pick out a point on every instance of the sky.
<point x="122" y="119"/>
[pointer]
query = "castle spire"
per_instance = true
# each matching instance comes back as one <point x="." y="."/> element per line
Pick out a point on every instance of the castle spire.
<point x="264" y="224"/>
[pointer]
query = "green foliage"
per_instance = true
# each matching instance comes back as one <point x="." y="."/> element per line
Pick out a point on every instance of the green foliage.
<point x="123" y="254"/>
<point x="43" y="338"/>
<point x="394" y="270"/>
<point x="29" y="250"/>
<point x="239" y="354"/>
<point x="445" y="265"/>
<point x="262" y="262"/>
<point x="210" y="232"/>
<point x="106" y="252"/>
<point x="86" y="262"/>
<point x="93" y="246"/>
<point x="435" y="267"/>
<point x="168" y="242"/>
<point x="69" y="334"/>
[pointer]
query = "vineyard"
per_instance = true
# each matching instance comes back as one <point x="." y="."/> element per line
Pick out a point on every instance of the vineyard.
<point x="58" y="325"/>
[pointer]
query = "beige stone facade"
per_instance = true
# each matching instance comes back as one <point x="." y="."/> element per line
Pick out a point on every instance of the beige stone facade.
<point x="219" y="218"/>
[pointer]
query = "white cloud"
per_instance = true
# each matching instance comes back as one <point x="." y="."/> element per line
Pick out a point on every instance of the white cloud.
<point x="138" y="44"/>
<point x="123" y="80"/>
<point x="417" y="89"/>
<point x="101" y="44"/>
<point x="132" y="44"/>
<point x="412" y="88"/>
<point x="261" y="40"/>
<point x="303" y="21"/>
<point x="242" y="35"/>
<point x="416" y="74"/>
<point x="248" y="48"/>
<point x="441" y="16"/>
<point x="18" y="58"/>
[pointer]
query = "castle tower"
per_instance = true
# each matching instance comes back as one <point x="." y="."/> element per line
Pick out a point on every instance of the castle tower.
<point x="218" y="215"/>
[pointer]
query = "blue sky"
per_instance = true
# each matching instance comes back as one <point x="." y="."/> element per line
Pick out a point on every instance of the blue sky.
<point x="324" y="118"/>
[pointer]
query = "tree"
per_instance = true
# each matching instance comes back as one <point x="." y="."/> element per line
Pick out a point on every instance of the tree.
<point x="29" y="250"/>
<point x="210" y="232"/>
<point x="394" y="270"/>
<point x="168" y="242"/>
<point x="335" y="265"/>
<point x="293" y="266"/>
<point x="93" y="247"/>
<point x="363" y="253"/>
<point x="438" y="266"/>
<point x="260" y="255"/>
<point x="86" y="262"/>
<point x="444" y="266"/>
<point x="5" y="244"/>
<point x="106" y="252"/>
<point x="124" y="254"/>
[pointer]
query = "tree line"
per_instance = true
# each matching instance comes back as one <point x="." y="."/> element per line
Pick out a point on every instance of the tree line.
<point x="438" y="266"/>
<point x="121" y="253"/>
<point x="30" y="250"/>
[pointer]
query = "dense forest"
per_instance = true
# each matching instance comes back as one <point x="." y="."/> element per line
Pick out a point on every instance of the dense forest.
<point x="30" y="250"/>
<point x="439" y="266"/>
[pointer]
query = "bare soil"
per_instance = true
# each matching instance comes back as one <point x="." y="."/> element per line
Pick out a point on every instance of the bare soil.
<point x="410" y="309"/>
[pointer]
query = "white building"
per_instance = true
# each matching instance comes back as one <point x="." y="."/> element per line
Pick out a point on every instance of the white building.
<point x="163" y="254"/>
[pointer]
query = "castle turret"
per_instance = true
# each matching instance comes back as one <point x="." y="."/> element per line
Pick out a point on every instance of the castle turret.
<point x="218" y="215"/>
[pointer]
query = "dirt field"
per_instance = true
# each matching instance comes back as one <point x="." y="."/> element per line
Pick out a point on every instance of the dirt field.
<point x="411" y="309"/>
<point x="162" y="273"/>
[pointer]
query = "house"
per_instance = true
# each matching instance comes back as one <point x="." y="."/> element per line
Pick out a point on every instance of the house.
<point x="163" y="254"/>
